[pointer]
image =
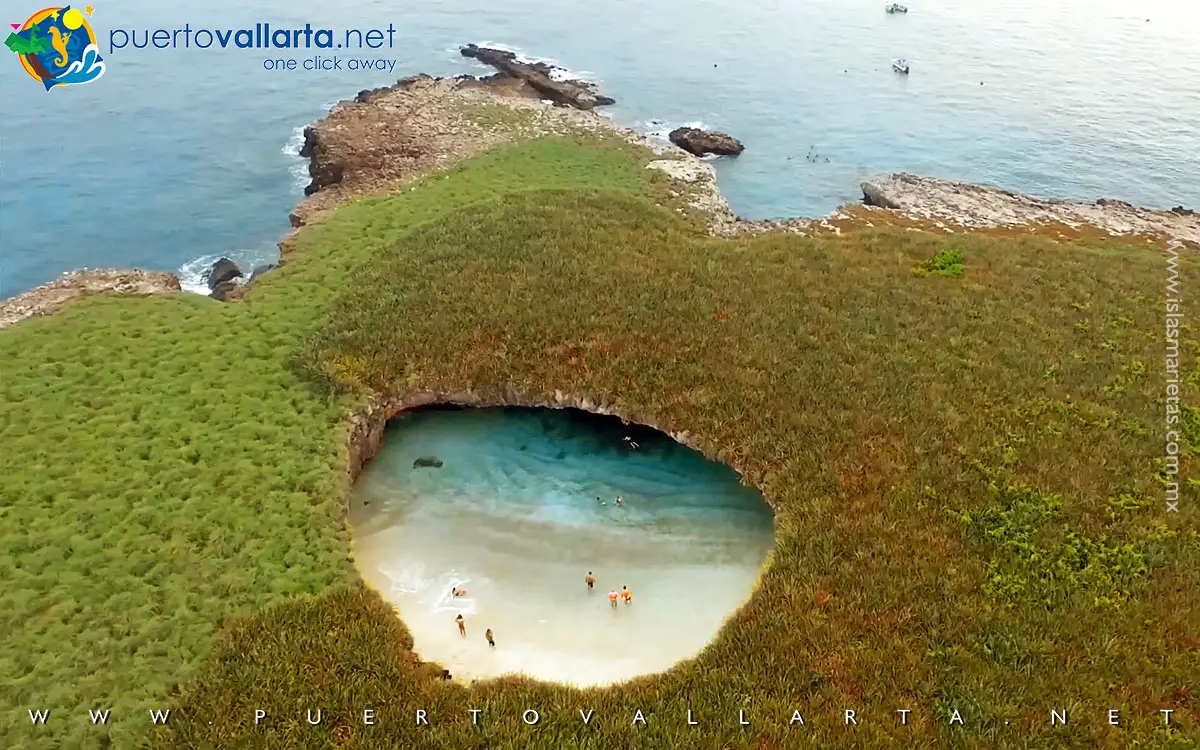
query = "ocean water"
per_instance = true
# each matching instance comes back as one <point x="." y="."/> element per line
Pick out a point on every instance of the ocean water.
<point x="522" y="509"/>
<point x="178" y="156"/>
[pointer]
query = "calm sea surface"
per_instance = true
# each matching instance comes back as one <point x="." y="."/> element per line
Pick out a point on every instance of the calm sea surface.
<point x="177" y="156"/>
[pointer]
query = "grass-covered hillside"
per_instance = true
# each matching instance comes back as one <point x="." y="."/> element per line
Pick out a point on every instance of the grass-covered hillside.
<point x="961" y="434"/>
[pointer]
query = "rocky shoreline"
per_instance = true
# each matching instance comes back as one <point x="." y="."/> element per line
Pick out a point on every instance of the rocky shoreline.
<point x="384" y="139"/>
<point x="52" y="296"/>
<point x="986" y="207"/>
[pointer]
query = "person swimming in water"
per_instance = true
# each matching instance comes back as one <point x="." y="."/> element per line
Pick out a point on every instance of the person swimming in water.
<point x="627" y="595"/>
<point x="488" y="635"/>
<point x="591" y="582"/>
<point x="462" y="626"/>
<point x="456" y="591"/>
<point x="612" y="598"/>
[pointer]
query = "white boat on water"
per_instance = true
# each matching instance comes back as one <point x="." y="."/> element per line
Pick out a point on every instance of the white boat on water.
<point x="895" y="8"/>
<point x="900" y="65"/>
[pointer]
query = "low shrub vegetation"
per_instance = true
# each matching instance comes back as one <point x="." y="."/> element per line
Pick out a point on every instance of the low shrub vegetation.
<point x="945" y="263"/>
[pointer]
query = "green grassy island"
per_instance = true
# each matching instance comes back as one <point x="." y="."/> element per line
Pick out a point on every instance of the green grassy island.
<point x="961" y="433"/>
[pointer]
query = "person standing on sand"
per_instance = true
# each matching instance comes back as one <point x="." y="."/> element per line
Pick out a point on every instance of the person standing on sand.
<point x="591" y="582"/>
<point x="462" y="626"/>
<point x="488" y="635"/>
<point x="627" y="595"/>
<point x="612" y="598"/>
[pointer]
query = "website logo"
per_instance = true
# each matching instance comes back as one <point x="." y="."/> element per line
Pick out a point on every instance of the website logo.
<point x="57" y="47"/>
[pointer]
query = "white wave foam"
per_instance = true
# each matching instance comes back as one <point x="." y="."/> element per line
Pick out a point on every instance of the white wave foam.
<point x="661" y="129"/>
<point x="298" y="169"/>
<point x="408" y="580"/>
<point x="500" y="45"/>
<point x="434" y="591"/>
<point x="560" y="71"/>
<point x="191" y="274"/>
<point x="447" y="602"/>
<point x="295" y="142"/>
<point x="566" y="74"/>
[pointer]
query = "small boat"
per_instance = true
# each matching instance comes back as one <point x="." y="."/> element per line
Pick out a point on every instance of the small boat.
<point x="900" y="65"/>
<point x="895" y="8"/>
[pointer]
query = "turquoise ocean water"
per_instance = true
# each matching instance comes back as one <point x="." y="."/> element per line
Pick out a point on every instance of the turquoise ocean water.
<point x="522" y="509"/>
<point x="175" y="157"/>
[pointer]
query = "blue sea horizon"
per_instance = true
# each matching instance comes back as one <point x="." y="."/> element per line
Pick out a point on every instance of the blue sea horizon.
<point x="176" y="157"/>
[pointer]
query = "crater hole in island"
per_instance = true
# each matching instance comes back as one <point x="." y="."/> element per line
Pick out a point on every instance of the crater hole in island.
<point x="521" y="508"/>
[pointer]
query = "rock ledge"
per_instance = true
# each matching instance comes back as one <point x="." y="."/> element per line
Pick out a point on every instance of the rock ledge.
<point x="52" y="296"/>
<point x="972" y="206"/>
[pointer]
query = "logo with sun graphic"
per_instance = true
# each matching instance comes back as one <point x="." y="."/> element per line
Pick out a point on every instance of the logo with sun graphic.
<point x="57" y="47"/>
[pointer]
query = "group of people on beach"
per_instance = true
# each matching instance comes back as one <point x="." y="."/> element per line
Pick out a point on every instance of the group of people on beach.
<point x="456" y="592"/>
<point x="625" y="594"/>
<point x="462" y="630"/>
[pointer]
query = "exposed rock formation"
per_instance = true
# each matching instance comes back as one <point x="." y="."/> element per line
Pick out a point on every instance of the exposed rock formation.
<point x="354" y="139"/>
<point x="52" y="296"/>
<point x="387" y="137"/>
<point x="700" y="179"/>
<point x="322" y="171"/>
<point x="222" y="278"/>
<point x="873" y="196"/>
<point x="226" y="291"/>
<point x="221" y="271"/>
<point x="259" y="271"/>
<point x="700" y="142"/>
<point x="546" y="80"/>
<point x="366" y="95"/>
<point x="983" y="206"/>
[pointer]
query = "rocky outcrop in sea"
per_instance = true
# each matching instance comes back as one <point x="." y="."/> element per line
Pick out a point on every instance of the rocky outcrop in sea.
<point x="222" y="278"/>
<point x="543" y="78"/>
<point x="702" y="142"/>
